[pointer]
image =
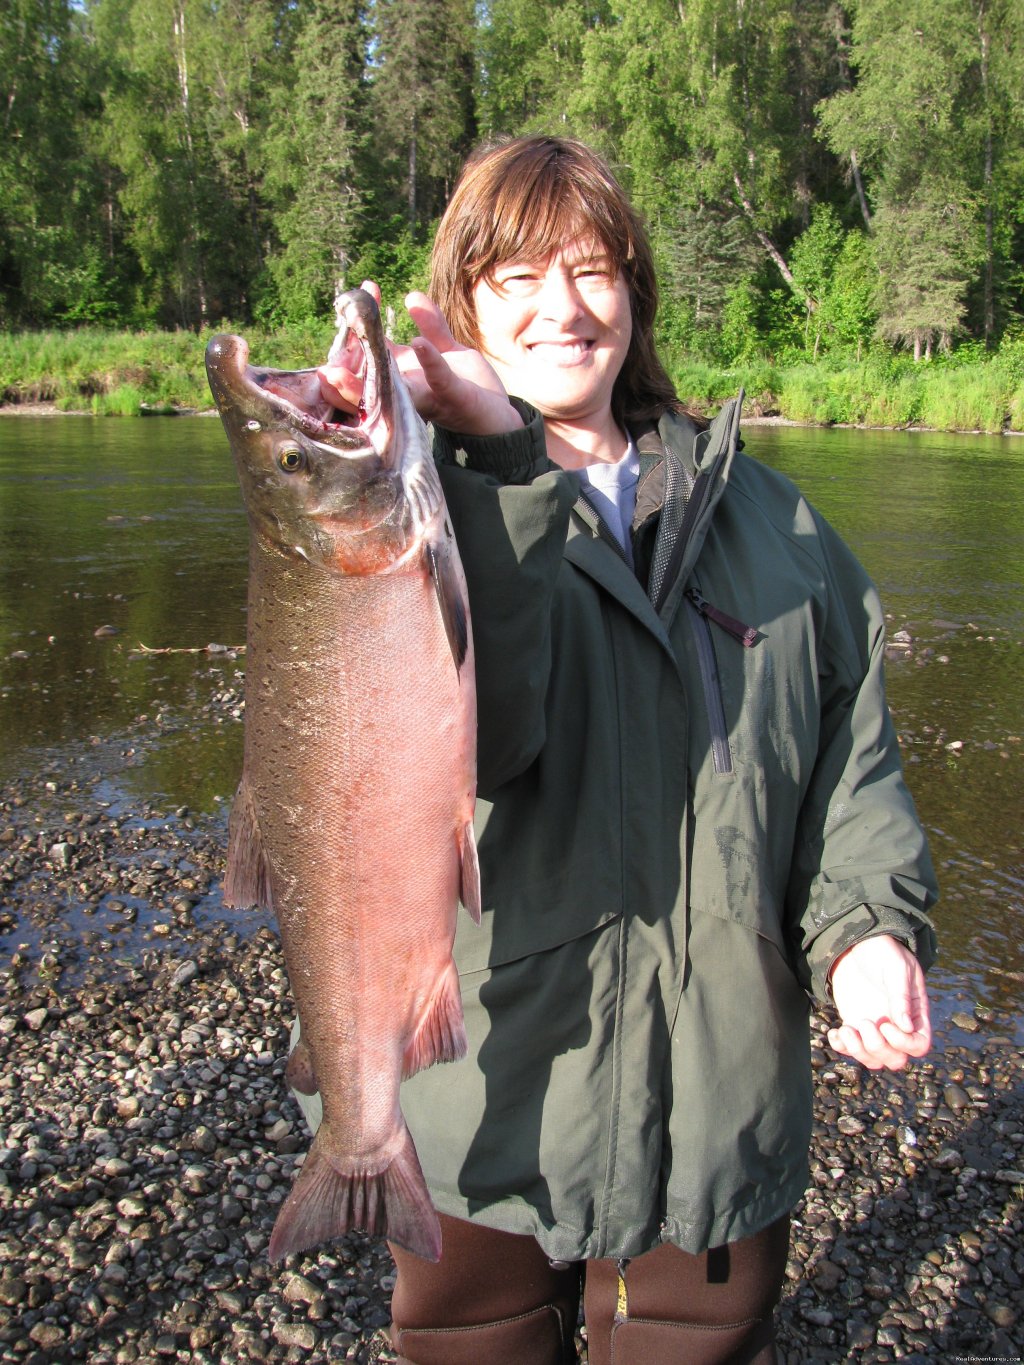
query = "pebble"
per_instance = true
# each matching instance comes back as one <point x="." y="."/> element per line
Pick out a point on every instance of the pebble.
<point x="188" y="971"/>
<point x="147" y="1140"/>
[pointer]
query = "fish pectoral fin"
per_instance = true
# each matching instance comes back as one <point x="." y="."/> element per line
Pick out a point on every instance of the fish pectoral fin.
<point x="298" y="1072"/>
<point x="469" y="889"/>
<point x="247" y="875"/>
<point x="451" y="599"/>
<point x="441" y="1034"/>
<point x="327" y="1200"/>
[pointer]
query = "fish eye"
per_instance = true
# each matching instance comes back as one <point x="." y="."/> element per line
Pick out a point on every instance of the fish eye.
<point x="291" y="460"/>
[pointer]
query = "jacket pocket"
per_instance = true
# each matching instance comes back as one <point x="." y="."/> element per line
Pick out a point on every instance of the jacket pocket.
<point x="540" y="888"/>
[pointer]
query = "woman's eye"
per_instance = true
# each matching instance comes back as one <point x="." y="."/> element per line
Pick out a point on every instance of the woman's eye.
<point x="594" y="274"/>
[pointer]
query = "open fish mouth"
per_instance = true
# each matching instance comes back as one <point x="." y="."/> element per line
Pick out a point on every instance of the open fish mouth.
<point x="295" y="396"/>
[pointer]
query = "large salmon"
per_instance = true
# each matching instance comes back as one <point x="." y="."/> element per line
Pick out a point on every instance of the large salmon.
<point x="353" y="817"/>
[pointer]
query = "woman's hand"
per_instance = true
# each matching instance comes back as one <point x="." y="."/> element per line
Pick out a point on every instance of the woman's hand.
<point x="450" y="384"/>
<point x="879" y="991"/>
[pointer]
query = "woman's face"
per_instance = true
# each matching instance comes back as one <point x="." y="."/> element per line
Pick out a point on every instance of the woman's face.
<point x="557" y="331"/>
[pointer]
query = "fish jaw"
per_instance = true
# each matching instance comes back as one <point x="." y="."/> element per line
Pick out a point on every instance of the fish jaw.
<point x="320" y="484"/>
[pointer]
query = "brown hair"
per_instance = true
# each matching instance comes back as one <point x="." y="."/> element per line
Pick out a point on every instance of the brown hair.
<point x="526" y="197"/>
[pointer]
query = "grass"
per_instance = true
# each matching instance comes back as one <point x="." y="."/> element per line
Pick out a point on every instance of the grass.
<point x="119" y="373"/>
<point x="976" y="393"/>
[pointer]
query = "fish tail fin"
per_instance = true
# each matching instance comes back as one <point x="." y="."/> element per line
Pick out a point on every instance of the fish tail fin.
<point x="441" y="1034"/>
<point x="327" y="1201"/>
<point x="247" y="875"/>
<point x="469" y="890"/>
<point x="411" y="1217"/>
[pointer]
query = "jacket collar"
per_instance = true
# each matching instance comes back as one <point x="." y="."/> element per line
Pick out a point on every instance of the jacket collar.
<point x="702" y="461"/>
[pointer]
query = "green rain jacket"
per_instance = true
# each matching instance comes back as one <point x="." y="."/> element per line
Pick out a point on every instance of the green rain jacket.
<point x="690" y="804"/>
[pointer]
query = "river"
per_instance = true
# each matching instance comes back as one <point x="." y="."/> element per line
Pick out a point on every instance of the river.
<point x="135" y="530"/>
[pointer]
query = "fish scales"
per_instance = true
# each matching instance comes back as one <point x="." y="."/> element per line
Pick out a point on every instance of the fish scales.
<point x="353" y="819"/>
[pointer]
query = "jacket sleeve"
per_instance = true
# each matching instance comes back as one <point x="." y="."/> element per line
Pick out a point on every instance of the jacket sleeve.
<point x="510" y="512"/>
<point x="861" y="865"/>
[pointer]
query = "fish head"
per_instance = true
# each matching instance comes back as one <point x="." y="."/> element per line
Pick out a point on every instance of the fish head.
<point x="319" y="483"/>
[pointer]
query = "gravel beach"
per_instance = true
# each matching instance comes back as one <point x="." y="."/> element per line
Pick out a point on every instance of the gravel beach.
<point x="147" y="1140"/>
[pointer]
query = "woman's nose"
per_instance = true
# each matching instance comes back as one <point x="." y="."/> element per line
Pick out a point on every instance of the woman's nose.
<point x="560" y="298"/>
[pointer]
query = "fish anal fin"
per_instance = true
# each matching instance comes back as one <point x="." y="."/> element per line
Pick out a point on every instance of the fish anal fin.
<point x="327" y="1201"/>
<point x="298" y="1072"/>
<point x="451" y="598"/>
<point x="441" y="1033"/>
<point x="247" y="875"/>
<point x="469" y="890"/>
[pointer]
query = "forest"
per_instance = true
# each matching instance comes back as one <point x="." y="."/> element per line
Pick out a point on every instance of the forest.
<point x="825" y="184"/>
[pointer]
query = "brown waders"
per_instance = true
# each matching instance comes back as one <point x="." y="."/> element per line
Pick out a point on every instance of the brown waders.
<point x="496" y="1299"/>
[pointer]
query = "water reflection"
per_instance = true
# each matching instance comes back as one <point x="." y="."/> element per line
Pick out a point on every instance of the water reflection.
<point x="136" y="526"/>
<point x="139" y="526"/>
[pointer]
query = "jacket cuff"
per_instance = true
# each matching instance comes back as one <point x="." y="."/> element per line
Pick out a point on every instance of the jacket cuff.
<point x="868" y="921"/>
<point x="511" y="457"/>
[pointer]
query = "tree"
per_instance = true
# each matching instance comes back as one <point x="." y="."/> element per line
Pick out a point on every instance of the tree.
<point x="696" y="102"/>
<point x="52" y="259"/>
<point x="926" y="250"/>
<point x="422" y="98"/>
<point x="531" y="52"/>
<point x="312" y="148"/>
<point x="184" y="217"/>
<point x="933" y="121"/>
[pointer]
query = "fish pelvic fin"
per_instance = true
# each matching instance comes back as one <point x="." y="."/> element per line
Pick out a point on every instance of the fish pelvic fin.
<point x="298" y="1072"/>
<point x="469" y="890"/>
<point x="247" y="875"/>
<point x="441" y="1034"/>
<point x="327" y="1201"/>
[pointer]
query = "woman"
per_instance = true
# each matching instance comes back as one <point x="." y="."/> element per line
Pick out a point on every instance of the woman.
<point x="692" y="811"/>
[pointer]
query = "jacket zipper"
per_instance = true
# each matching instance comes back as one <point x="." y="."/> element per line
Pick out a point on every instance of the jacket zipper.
<point x="747" y="635"/>
<point x="721" y="754"/>
<point x="704" y="614"/>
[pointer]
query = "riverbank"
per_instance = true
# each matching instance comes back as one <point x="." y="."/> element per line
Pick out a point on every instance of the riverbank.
<point x="147" y="1139"/>
<point x="131" y="374"/>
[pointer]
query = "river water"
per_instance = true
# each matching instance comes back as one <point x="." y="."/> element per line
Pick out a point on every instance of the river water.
<point x="137" y="527"/>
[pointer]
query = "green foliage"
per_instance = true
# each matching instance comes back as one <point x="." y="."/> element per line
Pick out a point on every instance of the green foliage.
<point x="312" y="144"/>
<point x="817" y="179"/>
<point x="926" y="249"/>
<point x="423" y="104"/>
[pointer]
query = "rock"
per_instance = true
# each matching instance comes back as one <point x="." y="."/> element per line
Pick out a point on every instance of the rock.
<point x="299" y="1289"/>
<point x="949" y="1159"/>
<point x="821" y="1317"/>
<point x="13" y="1290"/>
<point x="47" y="1336"/>
<point x="301" y="1334"/>
<point x="1001" y="1314"/>
<point x="188" y="971"/>
<point x="35" y="1019"/>
<point x="827" y="1276"/>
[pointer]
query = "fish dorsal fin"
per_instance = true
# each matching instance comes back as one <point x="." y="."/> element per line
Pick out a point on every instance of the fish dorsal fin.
<point x="247" y="876"/>
<point x="299" y="1073"/>
<point x="451" y="599"/>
